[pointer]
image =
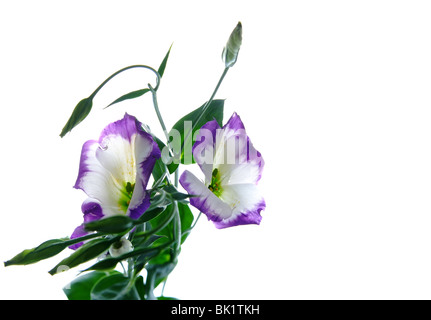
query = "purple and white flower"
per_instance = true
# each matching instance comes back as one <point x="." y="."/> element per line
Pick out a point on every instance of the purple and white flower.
<point x="114" y="172"/>
<point x="232" y="167"/>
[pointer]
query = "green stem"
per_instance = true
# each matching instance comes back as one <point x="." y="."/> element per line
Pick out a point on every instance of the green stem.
<point x="207" y="104"/>
<point x="146" y="234"/>
<point x="124" y="69"/>
<point x="159" y="115"/>
<point x="162" y="124"/>
<point x="176" y="178"/>
<point x="213" y="95"/>
<point x="177" y="232"/>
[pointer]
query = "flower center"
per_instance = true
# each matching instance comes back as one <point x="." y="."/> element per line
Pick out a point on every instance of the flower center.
<point x="126" y="196"/>
<point x="215" y="183"/>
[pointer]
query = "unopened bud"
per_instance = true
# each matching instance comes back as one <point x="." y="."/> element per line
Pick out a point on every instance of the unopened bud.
<point x="120" y="247"/>
<point x="230" y="52"/>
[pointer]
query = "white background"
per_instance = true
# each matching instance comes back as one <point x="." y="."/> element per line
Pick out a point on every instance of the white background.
<point x="335" y="94"/>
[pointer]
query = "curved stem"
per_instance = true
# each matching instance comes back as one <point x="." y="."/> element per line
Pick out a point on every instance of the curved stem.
<point x="124" y="69"/>
<point x="162" y="123"/>
<point x="162" y="225"/>
<point x="159" y="115"/>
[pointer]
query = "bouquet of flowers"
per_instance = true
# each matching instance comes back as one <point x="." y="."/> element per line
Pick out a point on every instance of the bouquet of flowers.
<point x="135" y="217"/>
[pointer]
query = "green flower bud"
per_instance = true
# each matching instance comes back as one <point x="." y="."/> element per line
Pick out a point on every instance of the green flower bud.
<point x="230" y="52"/>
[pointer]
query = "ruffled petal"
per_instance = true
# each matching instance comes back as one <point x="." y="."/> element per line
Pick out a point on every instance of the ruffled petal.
<point x="214" y="208"/>
<point x="233" y="174"/>
<point x="236" y="158"/>
<point x="246" y="204"/>
<point x="125" y="128"/>
<point x="124" y="154"/>
<point x="97" y="182"/>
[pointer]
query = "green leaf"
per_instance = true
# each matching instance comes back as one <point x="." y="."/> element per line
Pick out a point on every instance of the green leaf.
<point x="147" y="242"/>
<point x="175" y="194"/>
<point x="151" y="214"/>
<point x="162" y="67"/>
<point x="80" y="288"/>
<point x="110" y="263"/>
<point x="45" y="250"/>
<point x="114" y="287"/>
<point x="114" y="224"/>
<point x="140" y="287"/>
<point x="187" y="126"/>
<point x="105" y="264"/>
<point x="86" y="252"/>
<point x="165" y="218"/>
<point x="187" y="218"/>
<point x="140" y="92"/>
<point x="130" y="95"/>
<point x="156" y="274"/>
<point x="146" y="251"/>
<point x="80" y="112"/>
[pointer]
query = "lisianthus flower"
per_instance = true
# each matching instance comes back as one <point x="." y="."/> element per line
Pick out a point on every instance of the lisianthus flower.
<point x="232" y="167"/>
<point x="114" y="172"/>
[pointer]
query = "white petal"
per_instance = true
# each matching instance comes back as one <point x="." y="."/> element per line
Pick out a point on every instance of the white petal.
<point x="116" y="155"/>
<point x="206" y="201"/>
<point x="98" y="183"/>
<point x="242" y="198"/>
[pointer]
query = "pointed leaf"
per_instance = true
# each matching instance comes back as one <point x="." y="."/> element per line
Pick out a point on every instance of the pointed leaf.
<point x="140" y="92"/>
<point x="151" y="214"/>
<point x="130" y="95"/>
<point x="162" y="67"/>
<point x="45" y="250"/>
<point x="86" y="252"/>
<point x="114" y="224"/>
<point x="175" y="194"/>
<point x="110" y="263"/>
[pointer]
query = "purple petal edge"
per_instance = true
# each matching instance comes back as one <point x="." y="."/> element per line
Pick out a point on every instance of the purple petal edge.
<point x="234" y="123"/>
<point x="201" y="202"/>
<point x="126" y="128"/>
<point x="250" y="217"/>
<point x="146" y="168"/>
